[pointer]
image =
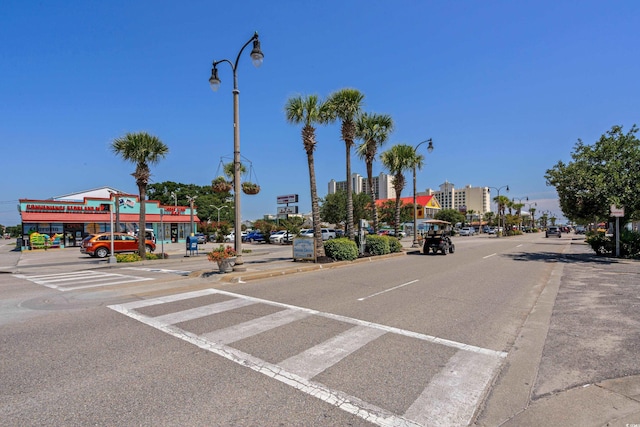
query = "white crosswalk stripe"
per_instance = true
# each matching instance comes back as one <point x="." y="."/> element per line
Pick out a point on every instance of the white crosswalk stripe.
<point x="449" y="397"/>
<point x="80" y="279"/>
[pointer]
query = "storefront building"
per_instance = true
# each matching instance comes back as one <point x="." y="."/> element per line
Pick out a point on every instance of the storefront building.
<point x="65" y="220"/>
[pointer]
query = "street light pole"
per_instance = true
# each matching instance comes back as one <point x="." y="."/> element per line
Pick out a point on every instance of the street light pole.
<point x="112" y="256"/>
<point x="519" y="199"/>
<point x="175" y="198"/>
<point x="415" y="204"/>
<point x="498" y="203"/>
<point x="191" y="199"/>
<point x="256" y="57"/>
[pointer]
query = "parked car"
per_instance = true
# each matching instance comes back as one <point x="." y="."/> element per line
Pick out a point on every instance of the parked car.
<point x="254" y="236"/>
<point x="580" y="229"/>
<point x="202" y="239"/>
<point x="99" y="245"/>
<point x="328" y="233"/>
<point x="467" y="231"/>
<point x="553" y="231"/>
<point x="282" y="236"/>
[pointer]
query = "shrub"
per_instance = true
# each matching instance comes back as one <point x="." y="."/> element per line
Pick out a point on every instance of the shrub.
<point x="128" y="257"/>
<point x="394" y="244"/>
<point x="341" y="249"/>
<point x="377" y="245"/>
<point x="601" y="244"/>
<point x="161" y="255"/>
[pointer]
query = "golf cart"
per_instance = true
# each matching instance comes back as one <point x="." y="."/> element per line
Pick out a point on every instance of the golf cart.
<point x="437" y="237"/>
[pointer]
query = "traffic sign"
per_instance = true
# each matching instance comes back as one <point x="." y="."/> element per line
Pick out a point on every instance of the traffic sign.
<point x="616" y="211"/>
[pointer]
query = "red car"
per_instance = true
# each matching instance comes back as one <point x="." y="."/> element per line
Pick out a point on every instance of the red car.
<point x="99" y="245"/>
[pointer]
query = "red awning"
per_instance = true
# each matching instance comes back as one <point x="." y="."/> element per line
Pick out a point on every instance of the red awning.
<point x="99" y="217"/>
<point x="421" y="200"/>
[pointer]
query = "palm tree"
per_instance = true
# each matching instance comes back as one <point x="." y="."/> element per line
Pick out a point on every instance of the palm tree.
<point x="310" y="111"/>
<point x="345" y="105"/>
<point x="397" y="160"/>
<point x="374" y="130"/>
<point x="143" y="150"/>
<point x="502" y="202"/>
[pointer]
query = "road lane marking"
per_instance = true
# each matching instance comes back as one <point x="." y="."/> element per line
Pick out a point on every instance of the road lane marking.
<point x="387" y="290"/>
<point x="455" y="391"/>
<point x="159" y="270"/>
<point x="489" y="256"/>
<point x="317" y="359"/>
<point x="84" y="279"/>
<point x="254" y="327"/>
<point x="467" y="374"/>
<point x="207" y="310"/>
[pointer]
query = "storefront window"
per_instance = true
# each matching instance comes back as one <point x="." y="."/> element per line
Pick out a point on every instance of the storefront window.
<point x="181" y="231"/>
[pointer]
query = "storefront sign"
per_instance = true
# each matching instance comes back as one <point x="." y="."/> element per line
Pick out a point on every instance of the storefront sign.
<point x="65" y="209"/>
<point x="289" y="198"/>
<point x="174" y="210"/>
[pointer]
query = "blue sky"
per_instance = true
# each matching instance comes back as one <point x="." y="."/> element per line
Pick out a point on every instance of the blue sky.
<point x="504" y="88"/>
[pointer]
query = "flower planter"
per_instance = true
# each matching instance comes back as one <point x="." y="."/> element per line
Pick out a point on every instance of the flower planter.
<point x="226" y="265"/>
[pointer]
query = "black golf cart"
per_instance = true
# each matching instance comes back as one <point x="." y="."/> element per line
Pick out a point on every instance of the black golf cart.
<point x="437" y="237"/>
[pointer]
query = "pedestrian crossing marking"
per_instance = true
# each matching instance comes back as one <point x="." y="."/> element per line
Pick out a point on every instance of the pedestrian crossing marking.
<point x="159" y="270"/>
<point x="84" y="279"/>
<point x="450" y="398"/>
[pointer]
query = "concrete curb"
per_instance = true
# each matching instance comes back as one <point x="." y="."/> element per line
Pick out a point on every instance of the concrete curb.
<point x="282" y="269"/>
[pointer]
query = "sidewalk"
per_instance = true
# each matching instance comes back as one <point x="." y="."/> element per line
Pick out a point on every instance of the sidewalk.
<point x="576" y="359"/>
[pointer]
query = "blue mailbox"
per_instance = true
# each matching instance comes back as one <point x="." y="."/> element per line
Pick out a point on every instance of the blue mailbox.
<point x="192" y="245"/>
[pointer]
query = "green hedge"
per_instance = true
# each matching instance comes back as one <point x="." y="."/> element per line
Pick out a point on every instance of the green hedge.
<point x="377" y="245"/>
<point x="341" y="249"/>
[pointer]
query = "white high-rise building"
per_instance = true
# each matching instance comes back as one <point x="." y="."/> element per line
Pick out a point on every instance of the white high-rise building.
<point x="468" y="198"/>
<point x="381" y="185"/>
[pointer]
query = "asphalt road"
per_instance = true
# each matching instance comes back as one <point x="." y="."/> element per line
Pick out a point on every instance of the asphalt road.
<point x="411" y="340"/>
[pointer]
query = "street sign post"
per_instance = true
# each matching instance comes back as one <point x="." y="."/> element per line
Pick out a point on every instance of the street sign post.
<point x="617" y="213"/>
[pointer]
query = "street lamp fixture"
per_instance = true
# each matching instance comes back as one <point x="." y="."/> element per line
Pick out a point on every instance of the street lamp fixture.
<point x="415" y="205"/>
<point x="214" y="81"/>
<point x="499" y="212"/>
<point x="175" y="198"/>
<point x="219" y="208"/>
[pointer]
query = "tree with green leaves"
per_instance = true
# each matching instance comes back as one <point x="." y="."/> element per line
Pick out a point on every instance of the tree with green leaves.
<point x="143" y="150"/>
<point x="600" y="175"/>
<point x="346" y="105"/>
<point x="373" y="130"/>
<point x="451" y="215"/>
<point x="333" y="208"/>
<point x="310" y="111"/>
<point x="398" y="160"/>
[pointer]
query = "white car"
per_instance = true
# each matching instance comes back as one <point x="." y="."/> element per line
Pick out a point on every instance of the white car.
<point x="467" y="231"/>
<point x="327" y="233"/>
<point x="282" y="236"/>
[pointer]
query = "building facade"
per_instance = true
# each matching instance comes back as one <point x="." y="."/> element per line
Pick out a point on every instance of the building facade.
<point x="67" y="219"/>
<point x="382" y="187"/>
<point x="465" y="199"/>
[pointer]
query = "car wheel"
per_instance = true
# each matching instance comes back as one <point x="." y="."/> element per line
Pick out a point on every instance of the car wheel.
<point x="452" y="249"/>
<point x="148" y="248"/>
<point x="102" y="252"/>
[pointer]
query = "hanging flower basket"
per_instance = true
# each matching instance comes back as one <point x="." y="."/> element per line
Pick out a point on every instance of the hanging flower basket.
<point x="221" y="185"/>
<point x="250" y="188"/>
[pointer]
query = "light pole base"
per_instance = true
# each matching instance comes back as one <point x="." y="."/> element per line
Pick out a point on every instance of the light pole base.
<point x="415" y="244"/>
<point x="113" y="260"/>
<point x="239" y="265"/>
